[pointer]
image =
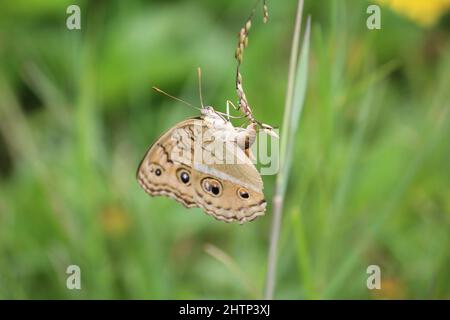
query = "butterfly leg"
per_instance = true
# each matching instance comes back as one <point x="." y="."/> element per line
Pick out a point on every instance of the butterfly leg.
<point x="229" y="102"/>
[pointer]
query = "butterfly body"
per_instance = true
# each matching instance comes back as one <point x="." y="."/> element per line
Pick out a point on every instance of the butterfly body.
<point x="202" y="162"/>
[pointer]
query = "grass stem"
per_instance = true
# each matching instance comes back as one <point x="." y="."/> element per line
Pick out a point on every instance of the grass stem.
<point x="295" y="94"/>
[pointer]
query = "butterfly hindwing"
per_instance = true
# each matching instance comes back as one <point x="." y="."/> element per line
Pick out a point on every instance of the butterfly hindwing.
<point x="229" y="191"/>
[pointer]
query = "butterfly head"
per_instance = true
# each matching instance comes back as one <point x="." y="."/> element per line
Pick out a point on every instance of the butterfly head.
<point x="208" y="111"/>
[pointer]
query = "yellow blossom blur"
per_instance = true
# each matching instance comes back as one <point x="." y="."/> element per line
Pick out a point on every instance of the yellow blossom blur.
<point x="391" y="289"/>
<point x="115" y="221"/>
<point x="423" y="12"/>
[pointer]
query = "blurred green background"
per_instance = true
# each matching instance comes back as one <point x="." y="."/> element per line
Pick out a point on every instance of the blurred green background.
<point x="369" y="183"/>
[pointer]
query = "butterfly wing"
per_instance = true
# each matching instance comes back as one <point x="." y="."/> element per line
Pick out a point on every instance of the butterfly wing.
<point x="162" y="168"/>
<point x="239" y="196"/>
<point x="229" y="191"/>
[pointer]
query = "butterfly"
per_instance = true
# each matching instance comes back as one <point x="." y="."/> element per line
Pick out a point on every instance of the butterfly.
<point x="206" y="162"/>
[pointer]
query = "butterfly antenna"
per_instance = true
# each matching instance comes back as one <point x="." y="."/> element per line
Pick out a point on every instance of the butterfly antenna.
<point x="174" y="98"/>
<point x="199" y="74"/>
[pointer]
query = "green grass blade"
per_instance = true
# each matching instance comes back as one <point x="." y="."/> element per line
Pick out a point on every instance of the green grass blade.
<point x="294" y="105"/>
